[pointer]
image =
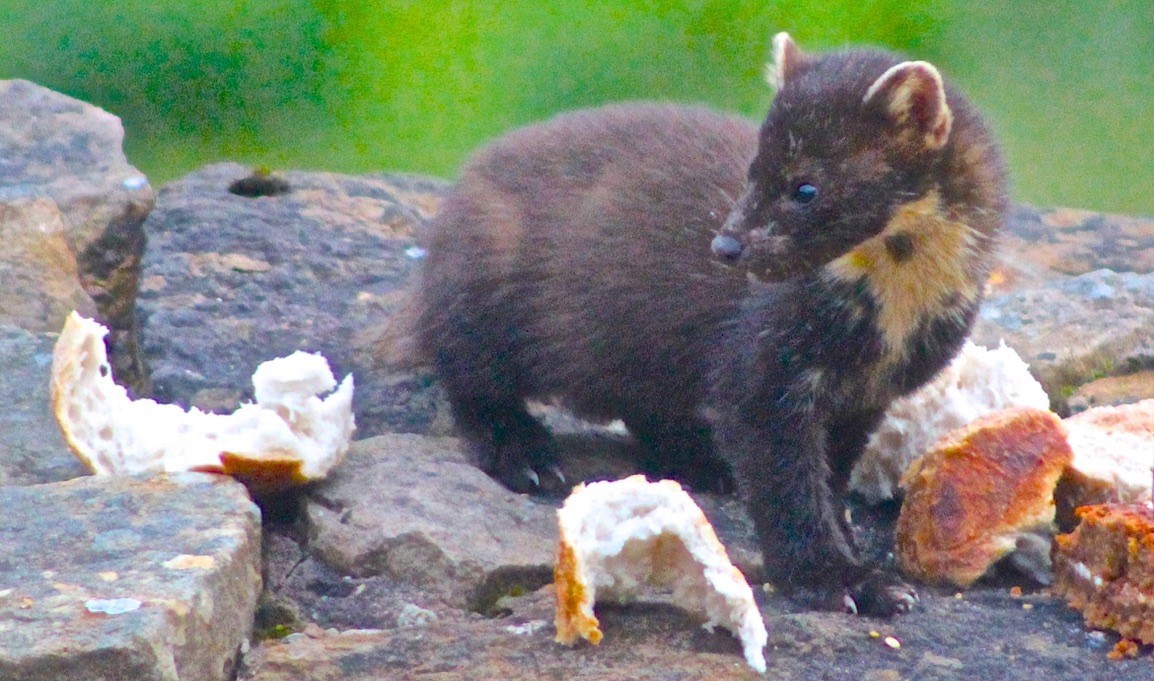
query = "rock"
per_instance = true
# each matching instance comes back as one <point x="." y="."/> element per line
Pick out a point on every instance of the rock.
<point x="413" y="508"/>
<point x="230" y="281"/>
<point x="72" y="152"/>
<point x="645" y="642"/>
<point x="1113" y="391"/>
<point x="1069" y="292"/>
<point x="1071" y="330"/>
<point x="985" y="634"/>
<point x="1072" y="242"/>
<point x="32" y="450"/>
<point x="315" y="593"/>
<point x="39" y="281"/>
<point x="116" y="578"/>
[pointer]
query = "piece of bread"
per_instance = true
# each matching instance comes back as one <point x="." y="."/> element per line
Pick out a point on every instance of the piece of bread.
<point x="1113" y="449"/>
<point x="977" y="382"/>
<point x="618" y="537"/>
<point x="982" y="492"/>
<point x="288" y="437"/>
<point x="1105" y="568"/>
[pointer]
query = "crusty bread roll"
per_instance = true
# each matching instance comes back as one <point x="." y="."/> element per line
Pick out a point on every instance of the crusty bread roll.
<point x="618" y="537"/>
<point x="978" y="382"/>
<point x="288" y="437"/>
<point x="1113" y="450"/>
<point x="982" y="492"/>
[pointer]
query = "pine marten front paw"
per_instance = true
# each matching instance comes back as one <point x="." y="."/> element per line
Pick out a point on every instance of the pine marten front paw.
<point x="873" y="592"/>
<point x="880" y="593"/>
<point x="522" y="468"/>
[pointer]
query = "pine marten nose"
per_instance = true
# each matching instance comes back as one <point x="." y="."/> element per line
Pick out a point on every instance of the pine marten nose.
<point x="726" y="247"/>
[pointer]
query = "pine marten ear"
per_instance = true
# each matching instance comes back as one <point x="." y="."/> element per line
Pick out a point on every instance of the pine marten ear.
<point x="787" y="57"/>
<point x="914" y="98"/>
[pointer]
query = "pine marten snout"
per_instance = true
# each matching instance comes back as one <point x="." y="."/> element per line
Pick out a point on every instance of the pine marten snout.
<point x="571" y="262"/>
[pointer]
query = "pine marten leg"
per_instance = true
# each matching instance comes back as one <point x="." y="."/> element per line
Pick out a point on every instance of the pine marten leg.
<point x="782" y="464"/>
<point x="681" y="448"/>
<point x="847" y="441"/>
<point x="849" y="435"/>
<point x="472" y="347"/>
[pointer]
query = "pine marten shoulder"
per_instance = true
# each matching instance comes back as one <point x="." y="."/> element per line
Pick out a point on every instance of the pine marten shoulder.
<point x="850" y="239"/>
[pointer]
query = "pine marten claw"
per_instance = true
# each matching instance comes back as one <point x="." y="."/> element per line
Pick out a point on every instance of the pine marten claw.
<point x="882" y="594"/>
<point x="556" y="472"/>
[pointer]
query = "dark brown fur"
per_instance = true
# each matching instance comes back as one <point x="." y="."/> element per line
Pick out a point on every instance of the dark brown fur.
<point x="571" y="261"/>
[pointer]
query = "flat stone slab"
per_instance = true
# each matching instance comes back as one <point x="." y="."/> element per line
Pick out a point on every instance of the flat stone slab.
<point x="32" y="450"/>
<point x="412" y="507"/>
<point x="125" y="578"/>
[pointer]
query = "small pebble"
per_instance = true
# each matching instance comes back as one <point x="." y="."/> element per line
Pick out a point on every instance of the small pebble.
<point x="413" y="615"/>
<point x="527" y="628"/>
<point x="415" y="253"/>
<point x="893" y="643"/>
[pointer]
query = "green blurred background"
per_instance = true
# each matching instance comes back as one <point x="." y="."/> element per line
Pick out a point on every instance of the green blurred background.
<point x="414" y="85"/>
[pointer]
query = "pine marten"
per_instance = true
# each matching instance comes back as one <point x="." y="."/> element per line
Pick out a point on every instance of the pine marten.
<point x="850" y="241"/>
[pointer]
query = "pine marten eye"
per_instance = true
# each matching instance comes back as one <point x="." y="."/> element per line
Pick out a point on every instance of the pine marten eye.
<point x="805" y="193"/>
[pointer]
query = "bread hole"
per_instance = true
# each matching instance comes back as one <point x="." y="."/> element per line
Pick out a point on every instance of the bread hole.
<point x="74" y="412"/>
<point x="105" y="433"/>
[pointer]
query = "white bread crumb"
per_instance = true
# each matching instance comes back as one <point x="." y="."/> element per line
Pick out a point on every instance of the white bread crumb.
<point x="289" y="436"/>
<point x="618" y="537"/>
<point x="977" y="382"/>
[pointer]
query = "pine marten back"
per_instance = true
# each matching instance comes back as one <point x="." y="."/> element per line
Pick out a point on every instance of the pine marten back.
<point x="850" y="239"/>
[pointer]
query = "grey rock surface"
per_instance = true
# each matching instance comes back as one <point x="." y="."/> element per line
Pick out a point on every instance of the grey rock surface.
<point x="127" y="579"/>
<point x="411" y="507"/>
<point x="32" y="450"/>
<point x="230" y="281"/>
<point x="72" y="152"/>
<point x="986" y="634"/>
<point x="1072" y="330"/>
<point x="1072" y="242"/>
<point x="39" y="279"/>
<point x="647" y="642"/>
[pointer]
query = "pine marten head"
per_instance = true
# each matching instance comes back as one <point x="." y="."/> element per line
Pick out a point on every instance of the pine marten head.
<point x="852" y="142"/>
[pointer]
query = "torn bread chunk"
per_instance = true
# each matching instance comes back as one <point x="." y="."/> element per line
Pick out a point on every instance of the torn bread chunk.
<point x="1105" y="568"/>
<point x="290" y="436"/>
<point x="983" y="492"/>
<point x="619" y="537"/>
<point x="1112" y="454"/>
<point x="977" y="382"/>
